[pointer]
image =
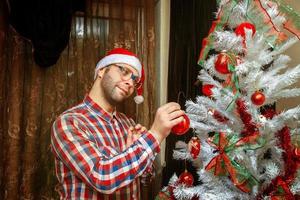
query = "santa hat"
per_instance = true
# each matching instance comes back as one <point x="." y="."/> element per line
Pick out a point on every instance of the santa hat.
<point x="120" y="55"/>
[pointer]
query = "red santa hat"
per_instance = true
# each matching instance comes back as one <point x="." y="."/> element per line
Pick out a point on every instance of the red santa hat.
<point x="120" y="55"/>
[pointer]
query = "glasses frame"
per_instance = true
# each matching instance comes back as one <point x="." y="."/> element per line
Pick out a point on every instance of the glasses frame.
<point x="124" y="72"/>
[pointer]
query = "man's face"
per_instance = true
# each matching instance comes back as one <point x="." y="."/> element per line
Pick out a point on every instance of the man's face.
<point x="117" y="83"/>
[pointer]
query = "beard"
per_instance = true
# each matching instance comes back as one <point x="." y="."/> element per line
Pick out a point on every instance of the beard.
<point x="109" y="87"/>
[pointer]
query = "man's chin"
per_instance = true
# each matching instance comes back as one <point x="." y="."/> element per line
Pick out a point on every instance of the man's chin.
<point x="120" y="98"/>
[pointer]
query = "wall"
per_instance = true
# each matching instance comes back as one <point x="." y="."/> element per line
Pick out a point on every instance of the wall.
<point x="293" y="52"/>
<point x="162" y="29"/>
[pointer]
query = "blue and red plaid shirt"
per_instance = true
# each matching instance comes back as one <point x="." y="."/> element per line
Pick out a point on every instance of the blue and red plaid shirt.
<point x="91" y="158"/>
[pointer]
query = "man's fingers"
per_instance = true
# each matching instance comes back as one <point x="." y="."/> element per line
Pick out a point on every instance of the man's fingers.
<point x="129" y="140"/>
<point x="136" y="136"/>
<point x="176" y="114"/>
<point x="138" y="126"/>
<point x="173" y="108"/>
<point x="138" y="129"/>
<point x="176" y="121"/>
<point x="169" y="107"/>
<point x="143" y="129"/>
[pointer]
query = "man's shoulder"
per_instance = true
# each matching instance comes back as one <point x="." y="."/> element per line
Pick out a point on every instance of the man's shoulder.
<point x="74" y="112"/>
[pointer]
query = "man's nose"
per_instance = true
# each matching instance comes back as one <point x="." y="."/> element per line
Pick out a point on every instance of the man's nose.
<point x="129" y="82"/>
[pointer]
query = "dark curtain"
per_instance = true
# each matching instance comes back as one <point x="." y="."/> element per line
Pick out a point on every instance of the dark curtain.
<point x="190" y="23"/>
<point x="31" y="97"/>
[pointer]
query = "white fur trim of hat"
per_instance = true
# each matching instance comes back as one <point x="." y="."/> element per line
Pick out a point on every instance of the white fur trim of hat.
<point x="119" y="55"/>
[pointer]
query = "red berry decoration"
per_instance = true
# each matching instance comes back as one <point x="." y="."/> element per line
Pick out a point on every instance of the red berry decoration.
<point x="186" y="178"/>
<point x="240" y="29"/>
<point x="258" y="98"/>
<point x="206" y="89"/>
<point x="182" y="127"/>
<point x="195" y="147"/>
<point x="222" y="62"/>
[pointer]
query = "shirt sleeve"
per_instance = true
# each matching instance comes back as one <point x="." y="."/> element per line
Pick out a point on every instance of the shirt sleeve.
<point x="150" y="167"/>
<point x="72" y="145"/>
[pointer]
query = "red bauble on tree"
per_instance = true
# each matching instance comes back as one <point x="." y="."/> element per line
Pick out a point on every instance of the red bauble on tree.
<point x="182" y="127"/>
<point x="222" y="63"/>
<point x="240" y="29"/>
<point x="206" y="89"/>
<point x="186" y="178"/>
<point x="194" y="147"/>
<point x="258" y="98"/>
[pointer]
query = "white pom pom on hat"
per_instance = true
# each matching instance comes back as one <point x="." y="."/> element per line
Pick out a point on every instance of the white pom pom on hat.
<point x="120" y="55"/>
<point x="139" y="91"/>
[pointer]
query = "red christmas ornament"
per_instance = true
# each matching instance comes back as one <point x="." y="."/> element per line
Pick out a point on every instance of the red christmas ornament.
<point x="182" y="127"/>
<point x="186" y="178"/>
<point x="258" y="98"/>
<point x="195" y="147"/>
<point x="240" y="29"/>
<point x="206" y="89"/>
<point x="222" y="62"/>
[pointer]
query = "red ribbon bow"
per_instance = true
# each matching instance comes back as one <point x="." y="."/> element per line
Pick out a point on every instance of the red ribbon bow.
<point x="222" y="164"/>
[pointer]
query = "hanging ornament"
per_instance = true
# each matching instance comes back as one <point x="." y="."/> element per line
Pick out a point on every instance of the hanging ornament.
<point x="182" y="127"/>
<point x="194" y="147"/>
<point x="222" y="63"/>
<point x="186" y="178"/>
<point x="258" y="98"/>
<point x="240" y="29"/>
<point x="206" y="89"/>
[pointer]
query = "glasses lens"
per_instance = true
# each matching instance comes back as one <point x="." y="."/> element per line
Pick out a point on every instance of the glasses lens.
<point x="128" y="74"/>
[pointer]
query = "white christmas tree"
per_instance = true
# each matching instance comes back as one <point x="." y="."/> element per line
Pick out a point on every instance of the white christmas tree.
<point x="247" y="151"/>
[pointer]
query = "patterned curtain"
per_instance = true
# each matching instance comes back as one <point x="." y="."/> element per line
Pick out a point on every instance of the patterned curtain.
<point x="31" y="97"/>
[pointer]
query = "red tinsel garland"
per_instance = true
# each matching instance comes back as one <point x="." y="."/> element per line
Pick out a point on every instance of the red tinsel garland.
<point x="290" y="167"/>
<point x="250" y="127"/>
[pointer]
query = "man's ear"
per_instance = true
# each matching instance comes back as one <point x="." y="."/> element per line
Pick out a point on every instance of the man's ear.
<point x="101" y="72"/>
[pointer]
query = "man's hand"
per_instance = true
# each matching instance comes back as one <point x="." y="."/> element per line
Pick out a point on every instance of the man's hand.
<point x="166" y="117"/>
<point x="134" y="133"/>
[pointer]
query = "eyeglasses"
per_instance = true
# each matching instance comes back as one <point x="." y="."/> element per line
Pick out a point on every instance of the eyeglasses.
<point x="128" y="74"/>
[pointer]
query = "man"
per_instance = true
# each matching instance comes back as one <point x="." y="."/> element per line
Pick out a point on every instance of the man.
<point x="99" y="152"/>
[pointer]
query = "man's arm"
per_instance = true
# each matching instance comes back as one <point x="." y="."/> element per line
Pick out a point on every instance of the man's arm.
<point x="72" y="146"/>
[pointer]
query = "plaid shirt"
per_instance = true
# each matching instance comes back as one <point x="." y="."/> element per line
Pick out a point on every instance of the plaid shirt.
<point x="91" y="158"/>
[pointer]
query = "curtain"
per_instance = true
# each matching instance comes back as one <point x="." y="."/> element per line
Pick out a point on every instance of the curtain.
<point x="31" y="97"/>
<point x="190" y="23"/>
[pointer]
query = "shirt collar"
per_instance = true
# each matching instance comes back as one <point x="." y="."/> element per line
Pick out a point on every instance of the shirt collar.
<point x="88" y="101"/>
